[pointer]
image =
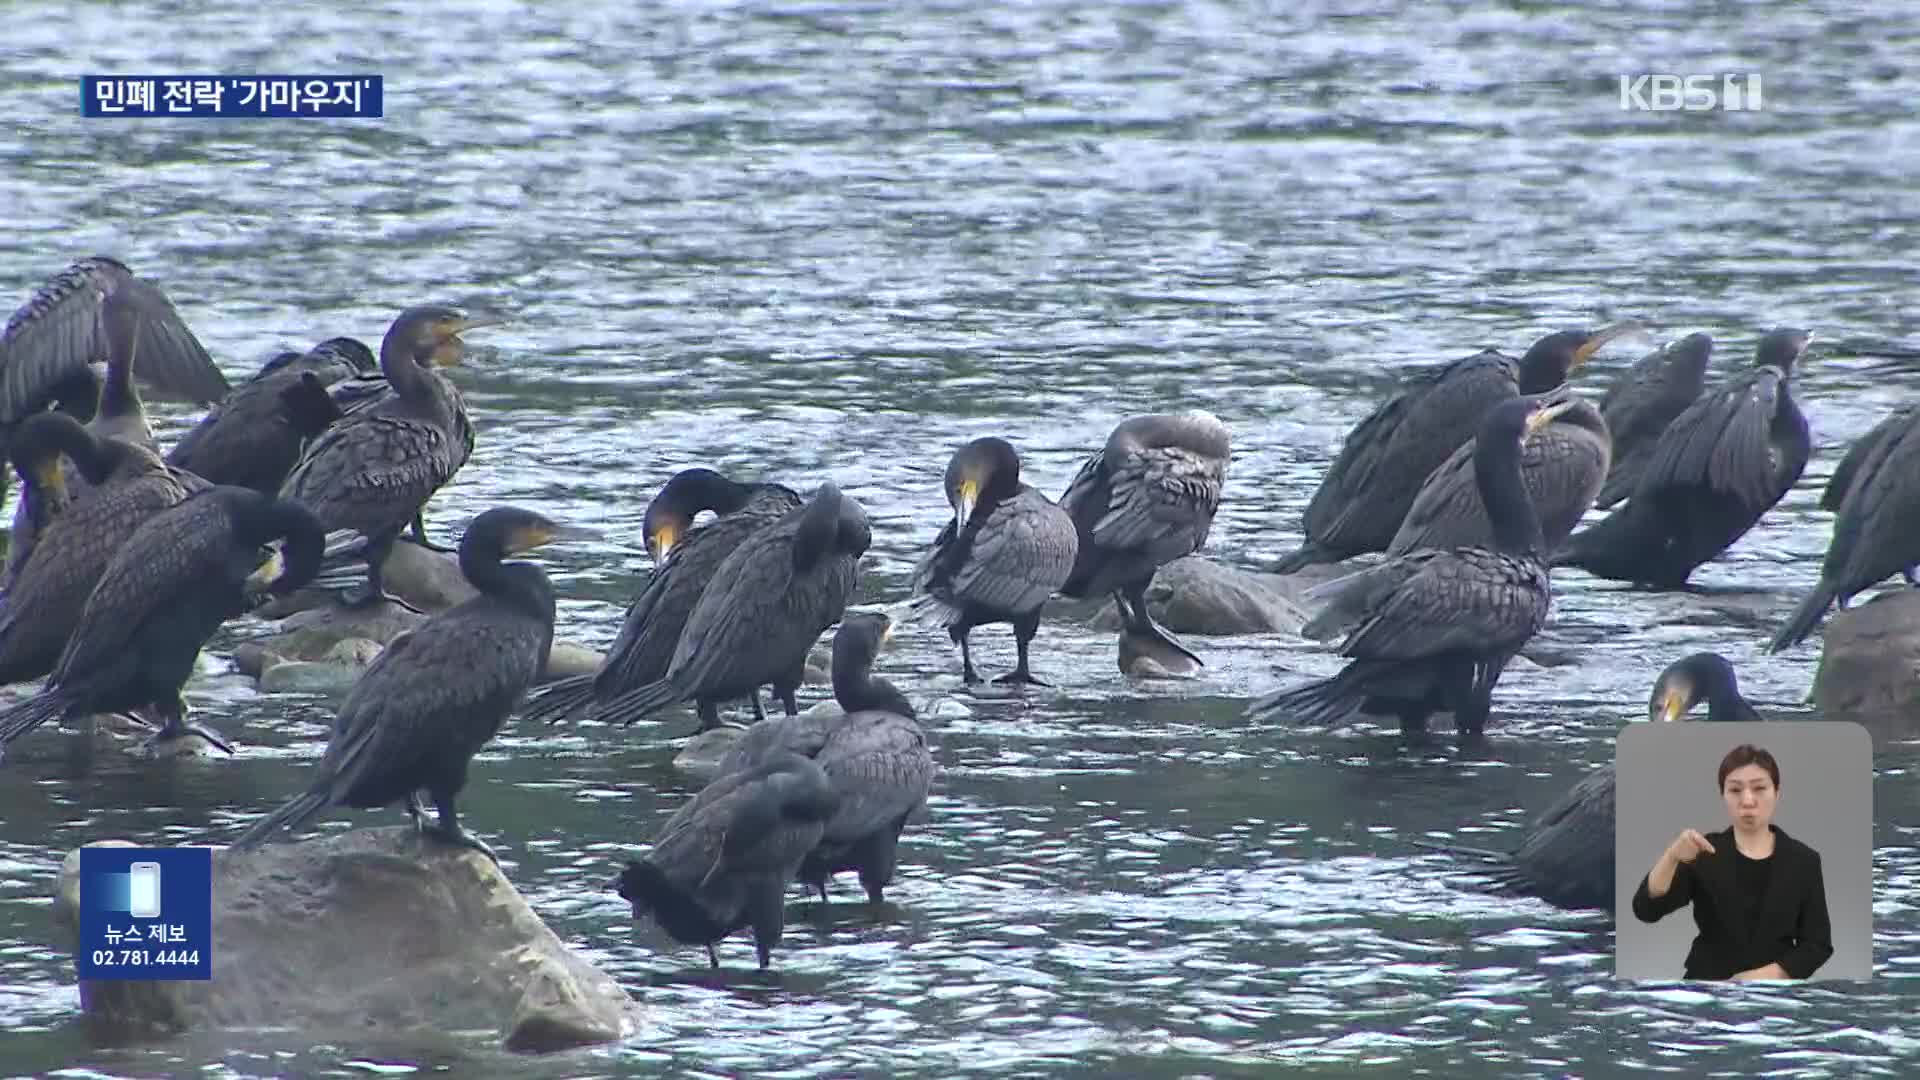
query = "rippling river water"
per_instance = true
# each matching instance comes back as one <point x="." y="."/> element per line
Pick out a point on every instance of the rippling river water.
<point x="837" y="239"/>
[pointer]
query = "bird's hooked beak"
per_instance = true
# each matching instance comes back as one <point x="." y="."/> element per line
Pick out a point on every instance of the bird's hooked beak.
<point x="540" y="534"/>
<point x="662" y="540"/>
<point x="886" y="630"/>
<point x="1671" y="704"/>
<point x="448" y="352"/>
<point x="1592" y="345"/>
<point x="1542" y="417"/>
<point x="965" y="495"/>
<point x="1800" y="353"/>
<point x="268" y="572"/>
<point x="50" y="478"/>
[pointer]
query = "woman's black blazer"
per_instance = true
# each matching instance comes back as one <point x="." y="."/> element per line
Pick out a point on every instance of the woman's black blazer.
<point x="1792" y="930"/>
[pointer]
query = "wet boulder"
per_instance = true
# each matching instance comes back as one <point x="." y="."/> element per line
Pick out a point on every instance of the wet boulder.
<point x="366" y="933"/>
<point x="1870" y="666"/>
<point x="1197" y="595"/>
<point x="339" y="642"/>
<point x="428" y="581"/>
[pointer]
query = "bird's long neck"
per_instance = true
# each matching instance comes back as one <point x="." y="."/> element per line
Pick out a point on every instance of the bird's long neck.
<point x="1516" y="527"/>
<point x="520" y="584"/>
<point x="120" y="413"/>
<point x="411" y="379"/>
<point x="857" y="690"/>
<point x="1724" y="703"/>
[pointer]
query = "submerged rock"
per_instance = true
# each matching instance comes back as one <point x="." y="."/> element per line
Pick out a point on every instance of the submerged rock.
<point x="1149" y="659"/>
<point x="700" y="758"/>
<point x="370" y="932"/>
<point x="1197" y="595"/>
<point x="335" y="644"/>
<point x="1870" y="666"/>
<point x="428" y="580"/>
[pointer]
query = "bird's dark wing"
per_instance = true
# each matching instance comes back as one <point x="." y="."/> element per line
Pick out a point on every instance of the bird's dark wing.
<point x="656" y="617"/>
<point x="1572" y="841"/>
<point x="757" y="617"/>
<point x="1874" y="534"/>
<point x="179" y="552"/>
<point x="52" y="586"/>
<point x="371" y="472"/>
<point x="1844" y="473"/>
<point x="447" y="683"/>
<point x="879" y="765"/>
<point x="805" y="735"/>
<point x="62" y="329"/>
<point x="1159" y="493"/>
<point x="1019" y="556"/>
<point x="1466" y="599"/>
<point x="1722" y="442"/>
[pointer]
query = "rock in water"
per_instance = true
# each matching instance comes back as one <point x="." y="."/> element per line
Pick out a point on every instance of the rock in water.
<point x="371" y="931"/>
<point x="1196" y="595"/>
<point x="1870" y="666"/>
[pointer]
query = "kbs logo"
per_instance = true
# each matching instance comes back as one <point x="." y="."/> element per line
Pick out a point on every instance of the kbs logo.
<point x="1691" y="93"/>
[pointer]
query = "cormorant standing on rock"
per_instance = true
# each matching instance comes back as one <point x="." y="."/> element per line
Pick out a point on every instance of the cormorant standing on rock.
<point x="439" y="692"/>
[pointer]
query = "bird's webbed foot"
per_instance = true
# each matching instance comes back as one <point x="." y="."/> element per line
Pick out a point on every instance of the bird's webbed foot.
<point x="1019" y="677"/>
<point x="458" y="836"/>
<point x="177" y="727"/>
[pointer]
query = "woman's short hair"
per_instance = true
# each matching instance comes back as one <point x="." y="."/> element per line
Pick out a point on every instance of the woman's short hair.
<point x="1748" y="754"/>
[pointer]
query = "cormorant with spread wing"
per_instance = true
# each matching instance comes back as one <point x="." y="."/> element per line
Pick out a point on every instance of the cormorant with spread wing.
<point x="1721" y="464"/>
<point x="1642" y="400"/>
<point x="1431" y="631"/>
<point x="96" y="310"/>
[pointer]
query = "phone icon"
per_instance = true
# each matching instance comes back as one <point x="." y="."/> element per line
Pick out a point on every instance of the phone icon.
<point x="143" y="891"/>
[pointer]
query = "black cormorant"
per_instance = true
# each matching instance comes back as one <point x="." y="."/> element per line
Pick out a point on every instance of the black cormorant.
<point x="1876" y="532"/>
<point x="254" y="438"/>
<point x="1835" y="492"/>
<point x="1563" y="465"/>
<point x="183" y="572"/>
<point x="374" y="469"/>
<point x="765" y="607"/>
<point x="1387" y="456"/>
<point x="437" y="693"/>
<point x="1147" y="498"/>
<point x="874" y="755"/>
<point x="1642" y="400"/>
<point x="1565" y="856"/>
<point x="1431" y="631"/>
<point x="722" y="862"/>
<point x="685" y="558"/>
<point x="45" y="598"/>
<point x="1007" y="549"/>
<point x="97" y="311"/>
<point x="1722" y="463"/>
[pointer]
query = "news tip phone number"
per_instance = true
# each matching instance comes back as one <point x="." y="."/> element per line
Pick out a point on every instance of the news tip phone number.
<point x="224" y="95"/>
<point x="146" y="957"/>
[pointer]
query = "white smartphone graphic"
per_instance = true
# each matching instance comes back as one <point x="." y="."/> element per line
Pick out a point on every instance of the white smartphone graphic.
<point x="143" y="892"/>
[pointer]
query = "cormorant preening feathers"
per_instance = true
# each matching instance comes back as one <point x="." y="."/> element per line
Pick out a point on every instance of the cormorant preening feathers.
<point x="1006" y="550"/>
<point x="1147" y="498"/>
<point x="183" y="572"/>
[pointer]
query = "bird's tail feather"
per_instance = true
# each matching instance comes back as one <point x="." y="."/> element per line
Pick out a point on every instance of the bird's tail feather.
<point x="558" y="700"/>
<point x="1321" y="702"/>
<point x="293" y="814"/>
<point x="1487" y="854"/>
<point x="924" y="608"/>
<point x="31" y="713"/>
<point x="1804" y="618"/>
<point x="639" y="703"/>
